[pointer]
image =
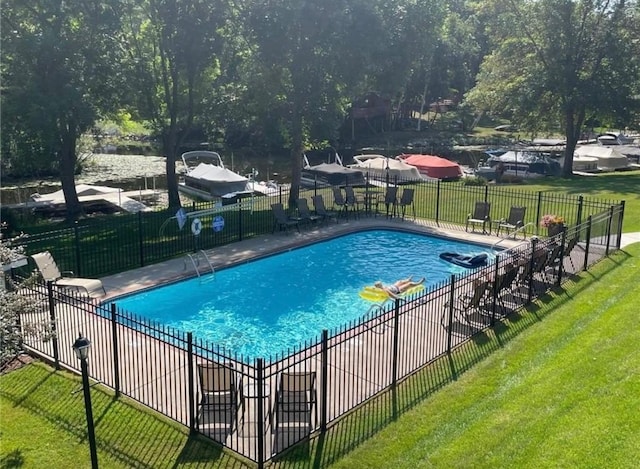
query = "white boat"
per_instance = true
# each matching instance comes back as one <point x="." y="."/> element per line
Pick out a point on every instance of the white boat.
<point x="609" y="158"/>
<point x="206" y="177"/>
<point x="378" y="167"/>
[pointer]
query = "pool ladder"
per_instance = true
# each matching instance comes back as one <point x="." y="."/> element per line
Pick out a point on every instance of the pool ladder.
<point x="195" y="261"/>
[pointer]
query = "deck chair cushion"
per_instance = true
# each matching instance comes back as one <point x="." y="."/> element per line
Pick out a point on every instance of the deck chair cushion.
<point x="50" y="272"/>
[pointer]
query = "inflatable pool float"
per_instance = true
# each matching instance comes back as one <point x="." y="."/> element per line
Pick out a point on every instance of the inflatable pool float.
<point x="371" y="293"/>
<point x="470" y="262"/>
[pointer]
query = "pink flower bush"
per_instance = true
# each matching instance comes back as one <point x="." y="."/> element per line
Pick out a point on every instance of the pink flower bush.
<point x="549" y="220"/>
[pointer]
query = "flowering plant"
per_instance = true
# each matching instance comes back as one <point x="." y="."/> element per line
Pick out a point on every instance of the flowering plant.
<point x="550" y="220"/>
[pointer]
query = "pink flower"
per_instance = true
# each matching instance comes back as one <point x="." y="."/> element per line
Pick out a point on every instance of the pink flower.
<point x="549" y="220"/>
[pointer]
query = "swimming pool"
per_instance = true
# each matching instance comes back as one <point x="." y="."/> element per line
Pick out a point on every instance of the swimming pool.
<point x="267" y="306"/>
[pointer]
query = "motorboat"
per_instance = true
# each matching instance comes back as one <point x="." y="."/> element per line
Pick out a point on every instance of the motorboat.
<point x="379" y="168"/>
<point x="330" y="174"/>
<point x="433" y="167"/>
<point x="206" y="177"/>
<point x="608" y="157"/>
<point x="524" y="164"/>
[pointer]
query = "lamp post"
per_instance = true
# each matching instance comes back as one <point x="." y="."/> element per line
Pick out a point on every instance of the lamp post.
<point x="81" y="347"/>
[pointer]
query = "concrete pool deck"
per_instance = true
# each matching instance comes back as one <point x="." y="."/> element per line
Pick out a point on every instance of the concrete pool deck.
<point x="264" y="245"/>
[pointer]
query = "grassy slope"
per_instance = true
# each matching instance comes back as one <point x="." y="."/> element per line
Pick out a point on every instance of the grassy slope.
<point x="565" y="393"/>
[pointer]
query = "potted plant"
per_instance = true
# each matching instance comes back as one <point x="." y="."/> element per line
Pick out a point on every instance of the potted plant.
<point x="553" y="223"/>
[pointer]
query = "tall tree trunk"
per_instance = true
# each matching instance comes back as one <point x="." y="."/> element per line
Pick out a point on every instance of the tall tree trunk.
<point x="67" y="171"/>
<point x="297" y="149"/>
<point x="170" y="145"/>
<point x="574" y="119"/>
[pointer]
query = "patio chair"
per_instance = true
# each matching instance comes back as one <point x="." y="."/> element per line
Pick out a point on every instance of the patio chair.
<point x="390" y="201"/>
<point x="468" y="302"/>
<point x="305" y="214"/>
<point x="220" y="400"/>
<point x="339" y="201"/>
<point x="514" y="222"/>
<point x="480" y="216"/>
<point x="506" y="284"/>
<point x="295" y="404"/>
<point x="318" y="205"/>
<point x="356" y="200"/>
<point x="51" y="273"/>
<point x="406" y="200"/>
<point x="282" y="220"/>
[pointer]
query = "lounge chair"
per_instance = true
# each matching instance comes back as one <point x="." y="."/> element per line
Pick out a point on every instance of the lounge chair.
<point x="356" y="200"/>
<point x="343" y="204"/>
<point x="406" y="200"/>
<point x="305" y="214"/>
<point x="514" y="222"/>
<point x="219" y="401"/>
<point x="391" y="201"/>
<point x="480" y="216"/>
<point x="282" y="220"/>
<point x="51" y="273"/>
<point x="295" y="404"/>
<point x="468" y="302"/>
<point x="318" y="205"/>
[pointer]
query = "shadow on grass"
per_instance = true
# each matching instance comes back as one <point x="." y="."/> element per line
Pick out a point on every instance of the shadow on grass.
<point x="126" y="432"/>
<point x="350" y="431"/>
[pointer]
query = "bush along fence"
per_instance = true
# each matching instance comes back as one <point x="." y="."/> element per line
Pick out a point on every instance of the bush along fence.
<point x="261" y="406"/>
<point x="108" y="245"/>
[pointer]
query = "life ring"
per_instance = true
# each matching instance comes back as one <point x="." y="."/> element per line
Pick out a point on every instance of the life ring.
<point x="375" y="294"/>
<point x="196" y="226"/>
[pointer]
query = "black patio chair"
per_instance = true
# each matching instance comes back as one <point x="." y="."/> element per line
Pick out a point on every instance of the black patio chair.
<point x="406" y="200"/>
<point x="480" y="216"/>
<point x="514" y="223"/>
<point x="320" y="208"/>
<point x="282" y="220"/>
<point x="305" y="214"/>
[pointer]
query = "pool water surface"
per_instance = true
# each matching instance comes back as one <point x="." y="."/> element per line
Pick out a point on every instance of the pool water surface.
<point x="270" y="305"/>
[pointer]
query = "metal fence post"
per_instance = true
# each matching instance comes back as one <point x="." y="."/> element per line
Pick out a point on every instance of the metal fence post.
<point x="486" y="193"/>
<point x="450" y="319"/>
<point x="534" y="242"/>
<point x="588" y="243"/>
<point x="496" y="291"/>
<point x="538" y="211"/>
<point x="563" y="243"/>
<point x="191" y="385"/>
<point x="116" y="361"/>
<point x="260" y="424"/>
<point x="324" y="384"/>
<point x="609" y="222"/>
<point x="438" y="203"/>
<point x="240" y="220"/>
<point x="580" y="205"/>
<point x="621" y="219"/>
<point x="76" y="241"/>
<point x="140" y="239"/>
<point x="394" y="358"/>
<point x="54" y="329"/>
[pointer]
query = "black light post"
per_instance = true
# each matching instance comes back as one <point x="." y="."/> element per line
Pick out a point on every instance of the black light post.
<point x="81" y="347"/>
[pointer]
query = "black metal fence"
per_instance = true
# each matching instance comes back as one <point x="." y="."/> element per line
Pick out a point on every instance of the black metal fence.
<point x="259" y="408"/>
<point x="107" y="245"/>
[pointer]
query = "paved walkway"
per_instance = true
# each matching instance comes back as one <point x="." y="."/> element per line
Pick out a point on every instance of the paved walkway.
<point x="629" y="238"/>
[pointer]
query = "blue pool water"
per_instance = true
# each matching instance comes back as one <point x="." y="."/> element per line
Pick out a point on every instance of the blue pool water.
<point x="267" y="306"/>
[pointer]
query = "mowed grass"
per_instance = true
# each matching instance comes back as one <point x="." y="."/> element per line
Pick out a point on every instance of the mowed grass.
<point x="557" y="385"/>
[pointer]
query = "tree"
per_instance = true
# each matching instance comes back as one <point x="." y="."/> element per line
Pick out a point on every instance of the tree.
<point x="172" y="46"/>
<point x="59" y="72"/>
<point x="557" y="63"/>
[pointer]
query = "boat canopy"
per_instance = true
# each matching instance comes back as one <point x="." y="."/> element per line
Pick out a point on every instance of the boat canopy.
<point x="378" y="166"/>
<point x="535" y="162"/>
<point x="335" y="174"/>
<point x="609" y="158"/>
<point x="433" y="166"/>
